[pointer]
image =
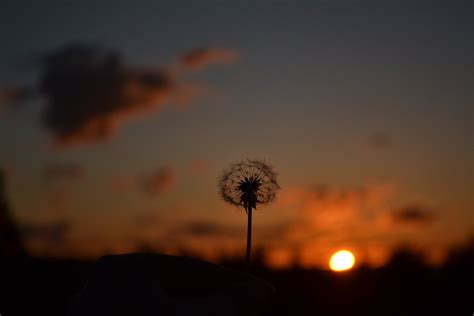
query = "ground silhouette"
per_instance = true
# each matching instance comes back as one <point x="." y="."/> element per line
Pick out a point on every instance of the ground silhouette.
<point x="403" y="287"/>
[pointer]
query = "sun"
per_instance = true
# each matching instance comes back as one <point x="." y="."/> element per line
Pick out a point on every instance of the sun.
<point x="342" y="260"/>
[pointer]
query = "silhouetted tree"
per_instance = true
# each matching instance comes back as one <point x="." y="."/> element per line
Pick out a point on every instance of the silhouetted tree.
<point x="10" y="241"/>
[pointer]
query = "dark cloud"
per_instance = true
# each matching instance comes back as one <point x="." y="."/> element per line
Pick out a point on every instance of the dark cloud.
<point x="413" y="214"/>
<point x="157" y="181"/>
<point x="53" y="232"/>
<point x="209" y="229"/>
<point x="201" y="58"/>
<point x="63" y="171"/>
<point x="204" y="228"/>
<point x="91" y="93"/>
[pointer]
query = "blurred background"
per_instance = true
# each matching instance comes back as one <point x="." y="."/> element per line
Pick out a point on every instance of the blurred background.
<point x="117" y="119"/>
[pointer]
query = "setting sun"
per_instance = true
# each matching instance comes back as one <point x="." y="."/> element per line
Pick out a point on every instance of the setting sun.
<point x="342" y="260"/>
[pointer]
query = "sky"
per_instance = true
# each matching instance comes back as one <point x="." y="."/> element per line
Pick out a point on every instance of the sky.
<point x="117" y="119"/>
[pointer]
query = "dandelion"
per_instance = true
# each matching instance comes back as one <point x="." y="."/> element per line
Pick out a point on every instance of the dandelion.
<point x="247" y="184"/>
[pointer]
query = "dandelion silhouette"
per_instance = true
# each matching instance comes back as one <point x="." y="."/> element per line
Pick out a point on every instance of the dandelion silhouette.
<point x="248" y="183"/>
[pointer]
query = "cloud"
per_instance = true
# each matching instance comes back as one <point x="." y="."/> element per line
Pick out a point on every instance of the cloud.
<point x="327" y="205"/>
<point x="63" y="171"/>
<point x="413" y="214"/>
<point x="158" y="181"/>
<point x="53" y="232"/>
<point x="209" y="229"/>
<point x="361" y="218"/>
<point x="330" y="213"/>
<point x="202" y="58"/>
<point x="91" y="93"/>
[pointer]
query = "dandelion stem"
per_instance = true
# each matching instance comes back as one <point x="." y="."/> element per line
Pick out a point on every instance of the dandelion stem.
<point x="249" y="235"/>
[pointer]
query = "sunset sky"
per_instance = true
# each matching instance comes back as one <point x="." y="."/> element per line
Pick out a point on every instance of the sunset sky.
<point x="116" y="120"/>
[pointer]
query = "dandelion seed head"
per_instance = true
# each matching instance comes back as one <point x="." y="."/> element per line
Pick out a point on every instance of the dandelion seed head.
<point x="248" y="183"/>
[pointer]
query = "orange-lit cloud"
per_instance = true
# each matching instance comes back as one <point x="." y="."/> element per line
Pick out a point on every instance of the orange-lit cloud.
<point x="158" y="181"/>
<point x="326" y="218"/>
<point x="90" y="93"/>
<point x="202" y="58"/>
<point x="327" y="206"/>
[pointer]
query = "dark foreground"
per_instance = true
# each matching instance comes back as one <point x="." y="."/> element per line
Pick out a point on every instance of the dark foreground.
<point x="32" y="286"/>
